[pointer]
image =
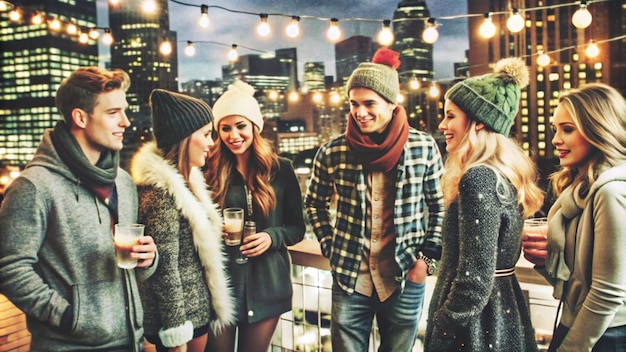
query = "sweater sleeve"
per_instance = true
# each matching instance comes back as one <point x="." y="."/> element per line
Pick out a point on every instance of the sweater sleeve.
<point x="479" y="223"/>
<point x="291" y="229"/>
<point x="608" y="270"/>
<point x="317" y="200"/>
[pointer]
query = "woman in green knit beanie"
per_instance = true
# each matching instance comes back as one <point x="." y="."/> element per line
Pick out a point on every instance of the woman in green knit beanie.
<point x="489" y="188"/>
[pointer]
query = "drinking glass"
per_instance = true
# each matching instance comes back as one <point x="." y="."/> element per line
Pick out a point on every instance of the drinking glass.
<point x="249" y="228"/>
<point x="233" y="225"/>
<point x="125" y="237"/>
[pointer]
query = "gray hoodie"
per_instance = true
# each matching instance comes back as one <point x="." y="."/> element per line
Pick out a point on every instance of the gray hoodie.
<point x="56" y="250"/>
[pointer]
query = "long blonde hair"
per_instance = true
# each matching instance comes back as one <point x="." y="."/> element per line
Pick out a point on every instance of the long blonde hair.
<point x="599" y="113"/>
<point x="503" y="155"/>
<point x="222" y="163"/>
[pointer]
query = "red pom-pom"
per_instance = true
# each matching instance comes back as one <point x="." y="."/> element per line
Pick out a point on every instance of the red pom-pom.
<point x="387" y="57"/>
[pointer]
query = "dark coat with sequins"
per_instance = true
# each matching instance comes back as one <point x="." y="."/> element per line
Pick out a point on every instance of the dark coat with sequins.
<point x="471" y="309"/>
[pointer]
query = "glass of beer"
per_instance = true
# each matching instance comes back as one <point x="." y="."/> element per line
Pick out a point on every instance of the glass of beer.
<point x="233" y="225"/>
<point x="536" y="227"/>
<point x="125" y="237"/>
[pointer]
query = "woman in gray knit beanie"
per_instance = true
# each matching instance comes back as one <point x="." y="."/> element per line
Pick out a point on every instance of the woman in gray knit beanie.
<point x="477" y="304"/>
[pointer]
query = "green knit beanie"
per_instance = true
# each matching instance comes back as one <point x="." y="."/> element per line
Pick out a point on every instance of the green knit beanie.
<point x="380" y="75"/>
<point x="493" y="98"/>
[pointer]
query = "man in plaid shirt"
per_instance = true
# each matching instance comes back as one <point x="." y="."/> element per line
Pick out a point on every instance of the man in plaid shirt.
<point x="385" y="238"/>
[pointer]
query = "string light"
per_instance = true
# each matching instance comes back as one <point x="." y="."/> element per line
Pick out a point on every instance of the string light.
<point x="592" y="49"/>
<point x="83" y="38"/>
<point x="15" y="15"/>
<point x="293" y="29"/>
<point x="55" y="24"/>
<point x="166" y="48"/>
<point x="233" y="55"/>
<point x="515" y="22"/>
<point x="190" y="50"/>
<point x="93" y="33"/>
<point x="385" y="36"/>
<point x="37" y="18"/>
<point x="434" y="91"/>
<point x="149" y="6"/>
<point x="414" y="83"/>
<point x="334" y="33"/>
<point x="107" y="38"/>
<point x="487" y="29"/>
<point x="204" y="16"/>
<point x="264" y="27"/>
<point x="543" y="59"/>
<point x="430" y="34"/>
<point x="71" y="29"/>
<point x="582" y="17"/>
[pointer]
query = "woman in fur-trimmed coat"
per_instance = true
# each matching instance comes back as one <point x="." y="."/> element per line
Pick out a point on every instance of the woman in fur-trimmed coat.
<point x="189" y="292"/>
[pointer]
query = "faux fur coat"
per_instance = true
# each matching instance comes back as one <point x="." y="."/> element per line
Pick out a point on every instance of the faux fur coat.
<point x="190" y="288"/>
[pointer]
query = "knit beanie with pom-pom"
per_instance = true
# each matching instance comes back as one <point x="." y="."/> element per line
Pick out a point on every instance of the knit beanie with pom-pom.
<point x="380" y="75"/>
<point x="238" y="100"/>
<point x="493" y="98"/>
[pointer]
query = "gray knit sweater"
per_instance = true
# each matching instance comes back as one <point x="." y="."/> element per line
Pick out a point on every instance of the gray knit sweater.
<point x="471" y="309"/>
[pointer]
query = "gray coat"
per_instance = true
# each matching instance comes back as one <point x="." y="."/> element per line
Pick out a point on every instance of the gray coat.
<point x="471" y="309"/>
<point x="56" y="249"/>
<point x="190" y="287"/>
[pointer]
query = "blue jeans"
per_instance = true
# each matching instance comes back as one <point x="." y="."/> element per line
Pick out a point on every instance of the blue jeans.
<point x="397" y="317"/>
<point x="613" y="339"/>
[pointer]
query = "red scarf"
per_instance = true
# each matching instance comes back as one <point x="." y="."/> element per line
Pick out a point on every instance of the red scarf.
<point x="384" y="156"/>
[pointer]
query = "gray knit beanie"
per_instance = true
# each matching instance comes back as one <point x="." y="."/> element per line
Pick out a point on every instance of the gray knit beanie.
<point x="493" y="98"/>
<point x="380" y="75"/>
<point x="176" y="116"/>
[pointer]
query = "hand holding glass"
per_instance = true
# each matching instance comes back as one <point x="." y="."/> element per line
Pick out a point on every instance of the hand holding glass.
<point x="233" y="225"/>
<point x="125" y="238"/>
<point x="534" y="241"/>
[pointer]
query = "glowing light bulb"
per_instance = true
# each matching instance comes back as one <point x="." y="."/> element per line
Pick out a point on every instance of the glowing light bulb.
<point x="55" y="24"/>
<point x="190" y="50"/>
<point x="592" y="49"/>
<point x="15" y="15"/>
<point x="93" y="33"/>
<point x="334" y="33"/>
<point x="107" y="38"/>
<point x="487" y="29"/>
<point x="582" y="17"/>
<point x="83" y="38"/>
<point x="149" y="6"/>
<point x="434" y="91"/>
<point x="414" y="84"/>
<point x="233" y="55"/>
<point x="430" y="34"/>
<point x="385" y="36"/>
<point x="264" y="28"/>
<point x="293" y="29"/>
<point x="37" y="18"/>
<point x="166" y="48"/>
<point x="71" y="29"/>
<point x="204" y="16"/>
<point x="543" y="59"/>
<point x="515" y="22"/>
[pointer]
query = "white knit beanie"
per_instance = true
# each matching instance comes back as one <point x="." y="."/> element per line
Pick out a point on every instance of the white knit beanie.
<point x="238" y="99"/>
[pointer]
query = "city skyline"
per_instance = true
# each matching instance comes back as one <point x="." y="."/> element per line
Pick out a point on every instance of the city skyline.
<point x="311" y="45"/>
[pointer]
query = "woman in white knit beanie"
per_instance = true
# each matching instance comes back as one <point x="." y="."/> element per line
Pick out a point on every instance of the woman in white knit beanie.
<point x="244" y="172"/>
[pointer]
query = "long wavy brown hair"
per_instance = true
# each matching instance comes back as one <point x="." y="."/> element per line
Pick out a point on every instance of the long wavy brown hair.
<point x="222" y="163"/>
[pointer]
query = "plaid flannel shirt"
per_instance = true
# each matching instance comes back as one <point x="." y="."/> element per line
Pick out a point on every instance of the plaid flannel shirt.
<point x="418" y="185"/>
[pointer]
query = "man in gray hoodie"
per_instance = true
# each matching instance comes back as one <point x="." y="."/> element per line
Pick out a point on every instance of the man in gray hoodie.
<point x="57" y="257"/>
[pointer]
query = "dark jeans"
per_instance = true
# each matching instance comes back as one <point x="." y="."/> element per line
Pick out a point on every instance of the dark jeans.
<point x="613" y="339"/>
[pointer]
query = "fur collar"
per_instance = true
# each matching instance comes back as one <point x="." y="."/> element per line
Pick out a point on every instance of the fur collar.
<point x="150" y="168"/>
